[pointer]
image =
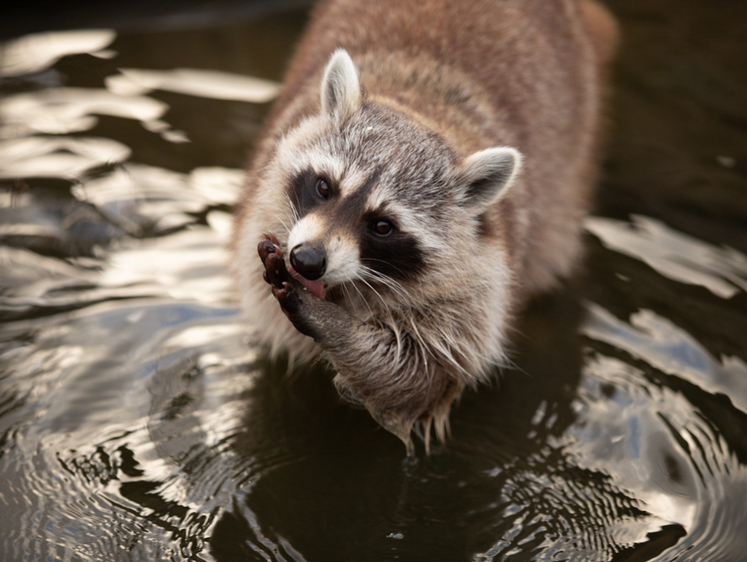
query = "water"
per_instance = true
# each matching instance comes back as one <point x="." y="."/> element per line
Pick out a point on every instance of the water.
<point x="138" y="423"/>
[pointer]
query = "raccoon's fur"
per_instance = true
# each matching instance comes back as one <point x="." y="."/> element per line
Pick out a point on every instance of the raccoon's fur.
<point x="426" y="167"/>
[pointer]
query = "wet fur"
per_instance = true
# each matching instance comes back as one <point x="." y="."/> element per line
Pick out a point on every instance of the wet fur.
<point x="446" y="80"/>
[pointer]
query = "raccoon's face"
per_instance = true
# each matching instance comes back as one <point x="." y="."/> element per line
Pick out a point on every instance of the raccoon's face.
<point x="367" y="200"/>
<point x="350" y="227"/>
<point x="377" y="197"/>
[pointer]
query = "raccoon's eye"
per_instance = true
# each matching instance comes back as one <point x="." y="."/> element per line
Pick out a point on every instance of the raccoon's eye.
<point x="381" y="228"/>
<point x="322" y="188"/>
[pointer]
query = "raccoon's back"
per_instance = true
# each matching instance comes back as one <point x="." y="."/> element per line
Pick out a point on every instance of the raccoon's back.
<point x="526" y="54"/>
<point x="525" y="73"/>
<point x="537" y="65"/>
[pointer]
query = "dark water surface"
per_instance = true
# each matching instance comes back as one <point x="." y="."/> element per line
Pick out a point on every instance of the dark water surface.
<point x="137" y="422"/>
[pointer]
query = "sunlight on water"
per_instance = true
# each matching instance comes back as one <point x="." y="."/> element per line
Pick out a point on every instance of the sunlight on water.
<point x="71" y="110"/>
<point x="204" y="83"/>
<point x="40" y="51"/>
<point x="51" y="156"/>
<point x="189" y="264"/>
<point x="723" y="271"/>
<point x="662" y="451"/>
<point x="671" y="350"/>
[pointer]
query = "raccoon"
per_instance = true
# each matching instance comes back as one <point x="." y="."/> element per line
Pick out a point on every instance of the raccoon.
<point x="423" y="173"/>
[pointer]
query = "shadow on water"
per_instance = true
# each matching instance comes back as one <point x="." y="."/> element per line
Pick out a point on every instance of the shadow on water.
<point x="138" y="422"/>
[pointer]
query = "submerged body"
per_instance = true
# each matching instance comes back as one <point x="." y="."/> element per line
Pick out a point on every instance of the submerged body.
<point x="424" y="172"/>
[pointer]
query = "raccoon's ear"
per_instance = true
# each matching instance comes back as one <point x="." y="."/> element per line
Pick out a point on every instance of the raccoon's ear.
<point x="341" y="90"/>
<point x="485" y="176"/>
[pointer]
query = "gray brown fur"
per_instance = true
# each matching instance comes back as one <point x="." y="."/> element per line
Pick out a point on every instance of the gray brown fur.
<point x="440" y="80"/>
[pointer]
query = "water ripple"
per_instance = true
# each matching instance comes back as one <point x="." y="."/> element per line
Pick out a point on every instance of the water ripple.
<point x="723" y="271"/>
<point x="34" y="53"/>
<point x="670" y="349"/>
<point x="138" y="421"/>
<point x="211" y="84"/>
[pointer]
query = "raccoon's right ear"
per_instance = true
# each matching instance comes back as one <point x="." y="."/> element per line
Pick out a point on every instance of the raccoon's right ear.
<point x="485" y="176"/>
<point x="341" y="90"/>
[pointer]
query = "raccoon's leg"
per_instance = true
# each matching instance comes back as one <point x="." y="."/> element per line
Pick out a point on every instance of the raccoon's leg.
<point x="394" y="376"/>
<point x="349" y="342"/>
<point x="314" y="317"/>
<point x="283" y="289"/>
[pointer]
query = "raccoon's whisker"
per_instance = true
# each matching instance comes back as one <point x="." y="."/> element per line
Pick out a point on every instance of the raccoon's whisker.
<point x="394" y="327"/>
<point x="424" y="347"/>
<point x="294" y="210"/>
<point x="402" y="271"/>
<point x="392" y="287"/>
<point x="349" y="299"/>
<point x="385" y="280"/>
<point x="362" y="280"/>
<point x="380" y="276"/>
<point x="388" y="281"/>
<point x="392" y="284"/>
<point x="386" y="305"/>
<point x="443" y="345"/>
<point x="363" y="298"/>
<point x="287" y="229"/>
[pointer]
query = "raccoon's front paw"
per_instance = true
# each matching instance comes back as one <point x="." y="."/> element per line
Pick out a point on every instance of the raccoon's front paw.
<point x="276" y="274"/>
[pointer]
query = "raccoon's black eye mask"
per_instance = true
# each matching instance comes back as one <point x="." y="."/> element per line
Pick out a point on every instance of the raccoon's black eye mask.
<point x="395" y="254"/>
<point x="383" y="246"/>
<point x="309" y="189"/>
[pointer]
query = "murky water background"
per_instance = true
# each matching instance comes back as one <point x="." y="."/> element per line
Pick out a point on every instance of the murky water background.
<point x="138" y="423"/>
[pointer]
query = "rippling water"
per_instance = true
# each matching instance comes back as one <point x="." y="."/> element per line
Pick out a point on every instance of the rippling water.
<point x="137" y="422"/>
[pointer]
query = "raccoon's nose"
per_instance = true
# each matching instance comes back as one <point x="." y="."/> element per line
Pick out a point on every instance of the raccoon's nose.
<point x="308" y="261"/>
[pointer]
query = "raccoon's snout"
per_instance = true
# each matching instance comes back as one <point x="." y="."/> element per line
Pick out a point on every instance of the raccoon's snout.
<point x="308" y="261"/>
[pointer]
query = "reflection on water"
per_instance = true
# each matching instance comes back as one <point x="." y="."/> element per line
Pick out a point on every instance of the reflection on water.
<point x="34" y="53"/>
<point x="71" y="110"/>
<point x="671" y="350"/>
<point x="138" y="422"/>
<point x="54" y="157"/>
<point x="204" y="83"/>
<point x="674" y="255"/>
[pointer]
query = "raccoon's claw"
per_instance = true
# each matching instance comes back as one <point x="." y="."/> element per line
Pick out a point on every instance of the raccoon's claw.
<point x="265" y="248"/>
<point x="271" y="237"/>
<point x="288" y="299"/>
<point x="275" y="272"/>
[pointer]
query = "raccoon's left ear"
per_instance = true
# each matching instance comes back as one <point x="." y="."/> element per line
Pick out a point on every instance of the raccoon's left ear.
<point x="485" y="176"/>
<point x="341" y="90"/>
